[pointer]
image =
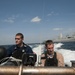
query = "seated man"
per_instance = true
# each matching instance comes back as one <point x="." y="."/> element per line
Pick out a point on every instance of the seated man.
<point x="50" y="57"/>
<point x="19" y="48"/>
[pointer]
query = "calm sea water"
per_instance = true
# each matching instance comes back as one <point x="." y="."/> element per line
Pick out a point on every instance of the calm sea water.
<point x="68" y="45"/>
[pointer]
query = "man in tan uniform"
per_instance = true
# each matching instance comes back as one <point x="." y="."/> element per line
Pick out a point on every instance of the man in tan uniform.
<point x="50" y="57"/>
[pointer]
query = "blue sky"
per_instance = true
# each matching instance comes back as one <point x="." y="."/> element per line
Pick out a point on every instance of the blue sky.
<point x="38" y="20"/>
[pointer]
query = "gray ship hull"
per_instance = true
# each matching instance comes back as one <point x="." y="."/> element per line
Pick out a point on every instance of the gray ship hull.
<point x="65" y="40"/>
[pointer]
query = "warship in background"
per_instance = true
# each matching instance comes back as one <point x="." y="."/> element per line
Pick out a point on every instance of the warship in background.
<point x="67" y="38"/>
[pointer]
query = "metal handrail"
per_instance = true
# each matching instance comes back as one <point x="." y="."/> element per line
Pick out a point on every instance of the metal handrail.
<point x="14" y="70"/>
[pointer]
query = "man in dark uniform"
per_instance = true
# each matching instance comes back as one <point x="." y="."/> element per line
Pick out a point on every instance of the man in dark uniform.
<point x="20" y="47"/>
<point x="18" y="50"/>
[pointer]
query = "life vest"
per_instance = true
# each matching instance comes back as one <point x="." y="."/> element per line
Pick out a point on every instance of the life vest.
<point x="51" y="61"/>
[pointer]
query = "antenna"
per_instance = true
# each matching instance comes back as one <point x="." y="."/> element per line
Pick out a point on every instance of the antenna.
<point x="40" y="52"/>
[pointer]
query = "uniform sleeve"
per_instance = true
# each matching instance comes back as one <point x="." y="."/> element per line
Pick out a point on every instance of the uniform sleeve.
<point x="9" y="51"/>
<point x="29" y="49"/>
<point x="60" y="60"/>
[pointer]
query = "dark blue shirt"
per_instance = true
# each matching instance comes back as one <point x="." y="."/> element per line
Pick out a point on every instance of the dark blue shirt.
<point x="15" y="50"/>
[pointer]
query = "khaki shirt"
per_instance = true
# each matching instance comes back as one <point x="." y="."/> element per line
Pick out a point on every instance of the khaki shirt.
<point x="59" y="58"/>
